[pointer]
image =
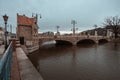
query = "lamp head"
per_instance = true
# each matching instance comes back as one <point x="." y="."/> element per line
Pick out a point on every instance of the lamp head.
<point x="5" y="17"/>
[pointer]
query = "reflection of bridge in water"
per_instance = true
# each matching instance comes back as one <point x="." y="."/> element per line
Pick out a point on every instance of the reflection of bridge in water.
<point x="74" y="40"/>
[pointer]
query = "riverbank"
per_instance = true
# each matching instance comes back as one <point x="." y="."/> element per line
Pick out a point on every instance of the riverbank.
<point x="26" y="68"/>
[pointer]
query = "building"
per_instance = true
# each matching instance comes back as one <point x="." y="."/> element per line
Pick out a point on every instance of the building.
<point x="13" y="35"/>
<point x="46" y="34"/>
<point x="1" y="35"/>
<point x="9" y="35"/>
<point x="27" y="30"/>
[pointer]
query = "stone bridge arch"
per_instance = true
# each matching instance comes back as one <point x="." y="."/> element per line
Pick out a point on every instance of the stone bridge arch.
<point x="44" y="40"/>
<point x="63" y="42"/>
<point x="102" y="40"/>
<point x="84" y="41"/>
<point x="57" y="40"/>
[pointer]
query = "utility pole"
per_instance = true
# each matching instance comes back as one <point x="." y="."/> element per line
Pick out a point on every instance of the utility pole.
<point x="73" y="22"/>
<point x="10" y="31"/>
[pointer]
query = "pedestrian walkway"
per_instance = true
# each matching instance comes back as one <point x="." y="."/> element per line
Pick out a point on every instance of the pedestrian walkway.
<point x="1" y="50"/>
<point x="27" y="70"/>
<point x="21" y="68"/>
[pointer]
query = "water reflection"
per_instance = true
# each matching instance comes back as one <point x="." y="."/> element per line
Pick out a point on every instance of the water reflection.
<point x="83" y="62"/>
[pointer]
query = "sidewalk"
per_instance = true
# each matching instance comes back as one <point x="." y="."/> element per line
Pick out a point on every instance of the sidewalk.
<point x="26" y="68"/>
<point x="22" y="68"/>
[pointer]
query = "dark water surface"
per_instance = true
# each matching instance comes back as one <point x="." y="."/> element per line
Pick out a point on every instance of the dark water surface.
<point x="84" y="62"/>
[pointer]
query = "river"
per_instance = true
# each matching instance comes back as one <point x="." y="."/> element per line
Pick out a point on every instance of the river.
<point x="83" y="62"/>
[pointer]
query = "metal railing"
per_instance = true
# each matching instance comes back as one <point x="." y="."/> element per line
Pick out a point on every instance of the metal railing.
<point x="5" y="63"/>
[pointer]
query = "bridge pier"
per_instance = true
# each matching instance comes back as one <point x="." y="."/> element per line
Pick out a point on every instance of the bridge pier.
<point x="96" y="41"/>
<point x="74" y="44"/>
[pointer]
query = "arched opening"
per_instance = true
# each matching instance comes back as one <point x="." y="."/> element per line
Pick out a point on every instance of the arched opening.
<point x="101" y="41"/>
<point x="86" y="41"/>
<point x="47" y="44"/>
<point x="62" y="42"/>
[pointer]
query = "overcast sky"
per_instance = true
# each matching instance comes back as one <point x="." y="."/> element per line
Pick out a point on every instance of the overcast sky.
<point x="61" y="12"/>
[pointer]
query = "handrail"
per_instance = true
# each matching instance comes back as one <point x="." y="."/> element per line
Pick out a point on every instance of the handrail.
<point x="5" y="63"/>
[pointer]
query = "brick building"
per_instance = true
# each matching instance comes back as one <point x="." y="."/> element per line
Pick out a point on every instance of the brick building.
<point x="1" y="34"/>
<point x="27" y="30"/>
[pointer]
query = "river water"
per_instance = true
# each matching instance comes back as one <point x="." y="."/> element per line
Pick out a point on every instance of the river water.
<point x="83" y="62"/>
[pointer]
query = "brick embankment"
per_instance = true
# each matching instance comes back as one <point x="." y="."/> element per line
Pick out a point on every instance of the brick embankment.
<point x="26" y="68"/>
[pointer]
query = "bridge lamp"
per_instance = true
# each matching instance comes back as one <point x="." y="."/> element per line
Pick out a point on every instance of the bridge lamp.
<point x="36" y="16"/>
<point x="95" y="29"/>
<point x="57" y="28"/>
<point x="73" y="22"/>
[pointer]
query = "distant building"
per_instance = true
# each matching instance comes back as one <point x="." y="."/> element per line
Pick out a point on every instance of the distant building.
<point x="1" y="34"/>
<point x="46" y="34"/>
<point x="100" y="32"/>
<point x="27" y="30"/>
<point x="13" y="35"/>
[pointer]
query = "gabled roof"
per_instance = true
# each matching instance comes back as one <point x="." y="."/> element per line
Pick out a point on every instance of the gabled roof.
<point x="24" y="20"/>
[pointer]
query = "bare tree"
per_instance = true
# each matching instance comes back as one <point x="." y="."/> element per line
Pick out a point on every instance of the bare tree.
<point x="113" y="23"/>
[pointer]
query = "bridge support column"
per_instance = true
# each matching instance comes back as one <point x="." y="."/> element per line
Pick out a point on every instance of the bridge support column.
<point x="108" y="33"/>
<point x="74" y="43"/>
<point x="96" y="41"/>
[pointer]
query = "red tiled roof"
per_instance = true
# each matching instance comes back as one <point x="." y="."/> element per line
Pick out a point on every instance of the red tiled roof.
<point x="23" y="20"/>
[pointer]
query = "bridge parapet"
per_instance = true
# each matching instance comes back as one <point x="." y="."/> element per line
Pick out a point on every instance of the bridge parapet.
<point x="72" y="39"/>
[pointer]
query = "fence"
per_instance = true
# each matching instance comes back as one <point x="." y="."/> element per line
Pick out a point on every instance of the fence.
<point x="5" y="63"/>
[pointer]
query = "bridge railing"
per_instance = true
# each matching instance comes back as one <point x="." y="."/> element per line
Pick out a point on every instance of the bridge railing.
<point x="5" y="63"/>
<point x="76" y="36"/>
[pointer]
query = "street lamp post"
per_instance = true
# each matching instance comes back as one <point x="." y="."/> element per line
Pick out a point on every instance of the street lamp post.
<point x="57" y="30"/>
<point x="96" y="34"/>
<point x="73" y="22"/>
<point x="36" y="16"/>
<point x="95" y="29"/>
<point x="10" y="31"/>
<point x="5" y="17"/>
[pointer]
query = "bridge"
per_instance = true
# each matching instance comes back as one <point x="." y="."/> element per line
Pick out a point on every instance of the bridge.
<point x="74" y="40"/>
